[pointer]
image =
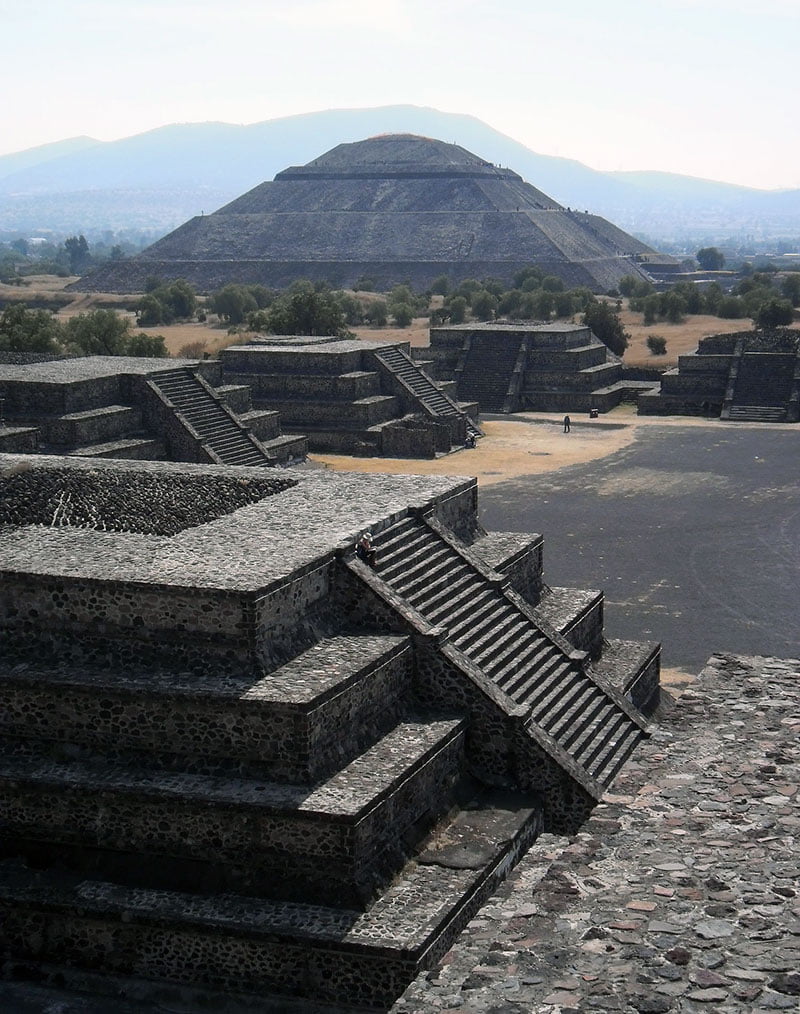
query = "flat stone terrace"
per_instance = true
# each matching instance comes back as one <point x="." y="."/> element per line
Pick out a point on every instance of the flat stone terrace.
<point x="251" y="549"/>
<point x="681" y="892"/>
<point x="65" y="371"/>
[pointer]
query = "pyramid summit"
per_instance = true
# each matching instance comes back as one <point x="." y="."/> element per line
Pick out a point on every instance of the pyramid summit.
<point x="394" y="208"/>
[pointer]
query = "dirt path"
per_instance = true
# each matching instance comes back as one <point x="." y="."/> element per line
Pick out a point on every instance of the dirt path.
<point x="529" y="443"/>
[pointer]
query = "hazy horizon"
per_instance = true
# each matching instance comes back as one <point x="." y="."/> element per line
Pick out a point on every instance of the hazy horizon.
<point x="701" y="88"/>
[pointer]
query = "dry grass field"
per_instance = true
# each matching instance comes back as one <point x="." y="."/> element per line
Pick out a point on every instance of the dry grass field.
<point x="210" y="337"/>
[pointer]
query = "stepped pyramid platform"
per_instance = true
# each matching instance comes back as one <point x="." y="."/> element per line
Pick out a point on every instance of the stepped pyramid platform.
<point x="239" y="768"/>
<point x="140" y="408"/>
<point x="516" y="366"/>
<point x="395" y="208"/>
<point x="749" y="376"/>
<point x="351" y="397"/>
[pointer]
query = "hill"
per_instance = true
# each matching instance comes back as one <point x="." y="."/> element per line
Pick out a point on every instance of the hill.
<point x="160" y="178"/>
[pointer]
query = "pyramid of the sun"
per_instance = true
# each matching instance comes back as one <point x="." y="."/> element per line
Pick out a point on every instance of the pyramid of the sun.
<point x="395" y="208"/>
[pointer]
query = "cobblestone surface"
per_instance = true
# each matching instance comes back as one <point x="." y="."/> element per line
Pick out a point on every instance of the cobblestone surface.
<point x="258" y="544"/>
<point x="681" y="891"/>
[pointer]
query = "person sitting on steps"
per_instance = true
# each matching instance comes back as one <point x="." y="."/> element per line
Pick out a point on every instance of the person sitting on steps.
<point x="366" y="551"/>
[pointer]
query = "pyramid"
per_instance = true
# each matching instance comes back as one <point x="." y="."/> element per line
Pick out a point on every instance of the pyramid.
<point x="395" y="208"/>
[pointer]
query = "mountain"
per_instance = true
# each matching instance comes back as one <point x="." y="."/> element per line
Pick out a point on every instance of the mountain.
<point x="159" y="179"/>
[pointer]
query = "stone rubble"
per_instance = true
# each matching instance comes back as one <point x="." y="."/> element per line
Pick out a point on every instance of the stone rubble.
<point x="681" y="893"/>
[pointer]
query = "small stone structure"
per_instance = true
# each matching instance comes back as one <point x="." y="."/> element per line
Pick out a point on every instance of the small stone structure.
<point x="395" y="208"/>
<point x="236" y="761"/>
<point x="138" y="408"/>
<point x="351" y="397"/>
<point x="514" y="366"/>
<point x="750" y="376"/>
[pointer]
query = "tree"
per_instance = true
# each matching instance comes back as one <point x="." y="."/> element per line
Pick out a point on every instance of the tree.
<point x="403" y="314"/>
<point x="304" y="312"/>
<point x="627" y="285"/>
<point x="440" y="285"/>
<point x="98" y="333"/>
<point x="774" y="312"/>
<point x="24" y="330"/>
<point x="376" y="312"/>
<point x="790" y="288"/>
<point x="78" y="251"/>
<point x="730" y="308"/>
<point x="232" y="303"/>
<point x="484" y="305"/>
<point x="606" y="325"/>
<point x="150" y="311"/>
<point x="710" y="258"/>
<point x="651" y="308"/>
<point x="457" y="309"/>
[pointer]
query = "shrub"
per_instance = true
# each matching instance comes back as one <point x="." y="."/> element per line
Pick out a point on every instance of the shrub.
<point x="657" y="345"/>
<point x="774" y="313"/>
<point x="192" y="350"/>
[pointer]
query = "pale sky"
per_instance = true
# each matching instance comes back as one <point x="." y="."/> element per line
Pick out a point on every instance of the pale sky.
<point x="706" y="88"/>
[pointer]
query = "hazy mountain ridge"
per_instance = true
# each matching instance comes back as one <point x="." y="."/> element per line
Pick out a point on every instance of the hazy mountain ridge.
<point x="158" y="179"/>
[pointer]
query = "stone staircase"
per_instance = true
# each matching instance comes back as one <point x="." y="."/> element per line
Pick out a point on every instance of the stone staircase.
<point x="487" y="373"/>
<point x="762" y="387"/>
<point x="229" y="441"/>
<point x="586" y="720"/>
<point x="419" y="384"/>
<point x="757" y="413"/>
<point x="304" y="833"/>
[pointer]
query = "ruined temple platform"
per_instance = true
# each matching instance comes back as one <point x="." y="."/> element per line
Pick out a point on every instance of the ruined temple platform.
<point x="235" y="759"/>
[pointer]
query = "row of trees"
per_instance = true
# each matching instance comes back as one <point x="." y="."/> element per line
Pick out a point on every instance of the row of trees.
<point x="97" y="333"/>
<point x="756" y="296"/>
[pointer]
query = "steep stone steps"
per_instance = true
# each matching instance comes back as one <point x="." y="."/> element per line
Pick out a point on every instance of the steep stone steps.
<point x="490" y="628"/>
<point x="757" y="413"/>
<point x="99" y="936"/>
<point x="332" y="842"/>
<point x="208" y="417"/>
<point x="486" y="376"/>
<point x="422" y="387"/>
<point x="296" y="724"/>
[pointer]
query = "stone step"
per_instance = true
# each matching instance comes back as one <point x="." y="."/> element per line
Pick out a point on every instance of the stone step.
<point x="588" y="729"/>
<point x="264" y="423"/>
<point x="286" y="447"/>
<point x="57" y="924"/>
<point x="136" y="448"/>
<point x="332" y="842"/>
<point x="496" y="637"/>
<point x="551" y="687"/>
<point x="617" y="748"/>
<point x="518" y="657"/>
<point x="548" y="666"/>
<point x="297" y="724"/>
<point x="422" y="559"/>
<point x="440" y="594"/>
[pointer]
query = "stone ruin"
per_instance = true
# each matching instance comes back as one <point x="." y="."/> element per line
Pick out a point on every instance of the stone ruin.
<point x="518" y="366"/>
<point x="351" y="396"/>
<point x="239" y="764"/>
<point x="264" y="403"/>
<point x="137" y="408"/>
<point x="395" y="208"/>
<point x="750" y="376"/>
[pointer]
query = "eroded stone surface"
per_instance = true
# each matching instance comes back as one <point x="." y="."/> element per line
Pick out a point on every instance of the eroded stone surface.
<point x="681" y="891"/>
